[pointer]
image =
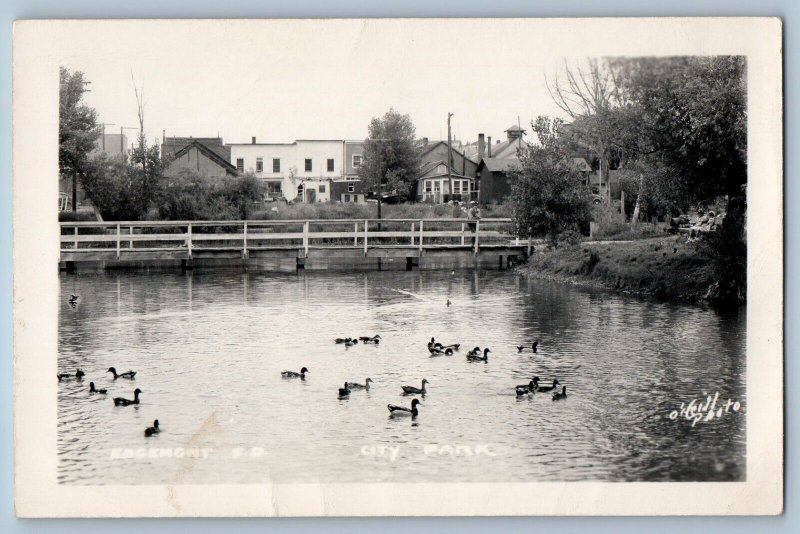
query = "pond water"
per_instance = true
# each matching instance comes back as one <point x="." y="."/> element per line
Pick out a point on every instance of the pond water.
<point x="209" y="349"/>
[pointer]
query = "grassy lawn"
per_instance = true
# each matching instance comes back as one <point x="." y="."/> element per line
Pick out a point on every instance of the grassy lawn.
<point x="665" y="267"/>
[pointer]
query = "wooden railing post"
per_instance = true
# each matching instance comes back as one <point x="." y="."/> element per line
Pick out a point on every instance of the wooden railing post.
<point x="366" y="231"/>
<point x="413" y="228"/>
<point x="421" y="230"/>
<point x="130" y="241"/>
<point x="189" y="239"/>
<point x="305" y="238"/>
<point x="462" y="233"/>
<point x="75" y="242"/>
<point x="477" y="233"/>
<point x="244" y="240"/>
<point x="118" y="240"/>
<point x="355" y="234"/>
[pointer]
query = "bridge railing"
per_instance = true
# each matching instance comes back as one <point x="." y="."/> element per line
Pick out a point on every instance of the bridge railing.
<point x="302" y="235"/>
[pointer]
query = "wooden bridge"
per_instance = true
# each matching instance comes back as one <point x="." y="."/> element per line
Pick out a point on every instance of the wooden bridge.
<point x="327" y="241"/>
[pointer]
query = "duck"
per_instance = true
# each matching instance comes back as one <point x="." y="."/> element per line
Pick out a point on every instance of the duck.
<point x="438" y="351"/>
<point x="545" y="389"/>
<point x="127" y="374"/>
<point x="411" y="390"/>
<point x="351" y="342"/>
<point x="476" y="352"/>
<point x="534" y="347"/>
<point x="65" y="376"/>
<point x="355" y="385"/>
<point x="119" y="401"/>
<point x="433" y="344"/>
<point x="374" y="339"/>
<point x="475" y="357"/>
<point x="151" y="430"/>
<point x="449" y="303"/>
<point x="345" y="391"/>
<point x="340" y="340"/>
<point x="92" y="389"/>
<point x="291" y="374"/>
<point x="562" y="395"/>
<point x="530" y="387"/>
<point x="402" y="410"/>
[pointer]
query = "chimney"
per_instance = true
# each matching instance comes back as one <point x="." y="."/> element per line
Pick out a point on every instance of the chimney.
<point x="489" y="147"/>
<point x="254" y="139"/>
<point x="481" y="146"/>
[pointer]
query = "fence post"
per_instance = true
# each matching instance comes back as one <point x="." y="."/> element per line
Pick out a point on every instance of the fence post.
<point x="355" y="234"/>
<point x="366" y="231"/>
<point x="305" y="238"/>
<point x="413" y="228"/>
<point x="462" y="234"/>
<point x="75" y="242"/>
<point x="189" y="239"/>
<point x="130" y="242"/>
<point x="118" y="243"/>
<point x="244" y="240"/>
<point x="421" y="229"/>
<point x="477" y="233"/>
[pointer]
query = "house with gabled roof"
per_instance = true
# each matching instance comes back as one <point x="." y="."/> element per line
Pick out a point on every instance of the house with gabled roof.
<point x="207" y="156"/>
<point x="433" y="184"/>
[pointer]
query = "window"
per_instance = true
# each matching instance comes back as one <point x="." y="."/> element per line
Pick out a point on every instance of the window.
<point x="330" y="165"/>
<point x="259" y="165"/>
<point x="308" y="164"/>
<point x="322" y="187"/>
<point x="240" y="164"/>
<point x="274" y="189"/>
<point x="356" y="161"/>
<point x="437" y="185"/>
<point x="276" y="165"/>
<point x="457" y="187"/>
<point x="428" y="186"/>
<point x="351" y="187"/>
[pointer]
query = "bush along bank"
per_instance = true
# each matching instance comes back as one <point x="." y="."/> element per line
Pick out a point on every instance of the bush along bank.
<point x="664" y="267"/>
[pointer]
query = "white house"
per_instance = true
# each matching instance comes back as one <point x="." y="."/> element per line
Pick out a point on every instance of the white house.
<point x="302" y="171"/>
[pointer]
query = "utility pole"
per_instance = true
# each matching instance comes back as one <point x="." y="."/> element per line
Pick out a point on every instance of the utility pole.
<point x="449" y="157"/>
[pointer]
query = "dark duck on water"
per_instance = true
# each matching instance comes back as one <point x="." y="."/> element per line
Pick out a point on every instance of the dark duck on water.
<point x="402" y="410"/>
<point x="534" y="347"/>
<point x="374" y="339"/>
<point x="354" y="385"/>
<point x="344" y="392"/>
<point x="77" y="376"/>
<point x="119" y="401"/>
<point x="92" y="389"/>
<point x="476" y="357"/>
<point x="152" y="430"/>
<point x="411" y="390"/>
<point x="291" y="374"/>
<point x="545" y="389"/>
<point x="130" y="375"/>
<point x="562" y="395"/>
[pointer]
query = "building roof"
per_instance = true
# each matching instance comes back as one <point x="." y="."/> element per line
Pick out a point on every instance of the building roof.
<point x="498" y="164"/>
<point x="172" y="145"/>
<point x="515" y="128"/>
<point x="507" y="148"/>
<point x="208" y="152"/>
<point x="427" y="149"/>
<point x="427" y="170"/>
<point x="581" y="164"/>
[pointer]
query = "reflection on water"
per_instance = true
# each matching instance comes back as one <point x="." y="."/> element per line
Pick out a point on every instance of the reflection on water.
<point x="209" y="349"/>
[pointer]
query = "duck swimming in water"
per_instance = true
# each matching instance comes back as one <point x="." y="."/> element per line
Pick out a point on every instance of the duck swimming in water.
<point x="291" y="374"/>
<point x="127" y="374"/>
<point x="340" y="340"/>
<point x="476" y="352"/>
<point x="374" y="339"/>
<point x="119" y="401"/>
<point x="525" y="389"/>
<point x="93" y="390"/>
<point x="534" y="347"/>
<point x="402" y="410"/>
<point x="476" y="357"/>
<point x="355" y="385"/>
<point x="345" y="391"/>
<point x="77" y="376"/>
<point x="438" y="351"/>
<point x="545" y="389"/>
<point x="151" y="430"/>
<point x="562" y="395"/>
<point x="411" y="390"/>
<point x="351" y="343"/>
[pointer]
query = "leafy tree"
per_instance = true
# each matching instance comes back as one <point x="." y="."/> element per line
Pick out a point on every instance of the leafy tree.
<point x="549" y="196"/>
<point x="77" y="129"/>
<point x="192" y="196"/>
<point x="391" y="159"/>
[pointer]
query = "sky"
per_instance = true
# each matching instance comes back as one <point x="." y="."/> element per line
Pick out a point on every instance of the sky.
<point x="286" y="80"/>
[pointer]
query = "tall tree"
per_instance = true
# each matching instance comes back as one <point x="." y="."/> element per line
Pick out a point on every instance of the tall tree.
<point x="77" y="129"/>
<point x="391" y="158"/>
<point x="548" y="193"/>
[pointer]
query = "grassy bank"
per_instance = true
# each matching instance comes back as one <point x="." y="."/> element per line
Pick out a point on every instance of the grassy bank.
<point x="283" y="211"/>
<point x="665" y="267"/>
